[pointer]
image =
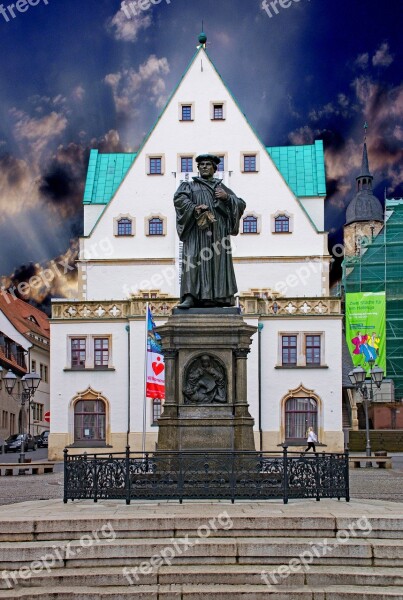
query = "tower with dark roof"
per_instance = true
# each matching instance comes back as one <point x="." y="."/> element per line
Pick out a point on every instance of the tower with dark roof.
<point x="364" y="214"/>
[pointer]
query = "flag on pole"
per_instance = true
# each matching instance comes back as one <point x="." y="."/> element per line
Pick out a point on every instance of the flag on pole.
<point x="155" y="367"/>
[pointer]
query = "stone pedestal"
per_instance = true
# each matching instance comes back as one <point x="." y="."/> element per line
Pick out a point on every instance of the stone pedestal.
<point x="206" y="404"/>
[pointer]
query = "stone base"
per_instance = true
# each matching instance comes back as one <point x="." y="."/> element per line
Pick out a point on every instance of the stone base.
<point x="223" y="335"/>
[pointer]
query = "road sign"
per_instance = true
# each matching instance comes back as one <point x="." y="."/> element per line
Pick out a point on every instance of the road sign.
<point x="47" y="417"/>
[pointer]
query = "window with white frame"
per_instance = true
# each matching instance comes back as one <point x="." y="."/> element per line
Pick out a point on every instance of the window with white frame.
<point x="157" y="410"/>
<point x="300" y="414"/>
<point x="186" y="112"/>
<point x="101" y="352"/>
<point x="156" y="165"/>
<point x="250" y="224"/>
<point x="124" y="225"/>
<point x="249" y="163"/>
<point x="301" y="349"/>
<point x="155" y="225"/>
<point x="186" y="164"/>
<point x="78" y="352"/>
<point x="90" y="352"/>
<point x="282" y="222"/>
<point x="218" y="112"/>
<point x="221" y="165"/>
<point x="89" y="421"/>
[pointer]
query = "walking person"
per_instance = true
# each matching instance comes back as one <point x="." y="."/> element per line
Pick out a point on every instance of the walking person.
<point x="312" y="439"/>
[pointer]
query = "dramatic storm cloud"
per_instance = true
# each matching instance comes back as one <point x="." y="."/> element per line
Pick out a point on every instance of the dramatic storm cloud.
<point x="77" y="76"/>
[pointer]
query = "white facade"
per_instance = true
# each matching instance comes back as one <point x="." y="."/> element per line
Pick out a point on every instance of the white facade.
<point x="36" y="358"/>
<point x="116" y="272"/>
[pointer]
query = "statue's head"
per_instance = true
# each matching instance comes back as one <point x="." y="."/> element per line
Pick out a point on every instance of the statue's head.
<point x="205" y="361"/>
<point x="207" y="165"/>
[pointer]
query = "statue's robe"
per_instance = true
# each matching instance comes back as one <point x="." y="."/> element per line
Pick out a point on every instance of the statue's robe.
<point x="207" y="269"/>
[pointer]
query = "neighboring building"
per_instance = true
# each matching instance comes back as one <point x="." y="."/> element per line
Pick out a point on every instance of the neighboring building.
<point x="24" y="348"/>
<point x="364" y="214"/>
<point x="379" y="267"/>
<point x="130" y="254"/>
<point x="373" y="262"/>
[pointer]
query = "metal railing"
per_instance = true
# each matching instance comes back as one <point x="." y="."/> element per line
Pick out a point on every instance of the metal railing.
<point x="205" y="475"/>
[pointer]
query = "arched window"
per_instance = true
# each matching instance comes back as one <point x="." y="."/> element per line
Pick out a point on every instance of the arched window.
<point x="157" y="409"/>
<point x="300" y="413"/>
<point x="250" y="224"/>
<point x="155" y="226"/>
<point x="89" y="421"/>
<point x="125" y="227"/>
<point x="282" y="224"/>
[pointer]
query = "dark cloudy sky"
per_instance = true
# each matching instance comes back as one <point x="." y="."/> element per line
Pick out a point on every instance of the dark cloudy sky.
<point x="78" y="74"/>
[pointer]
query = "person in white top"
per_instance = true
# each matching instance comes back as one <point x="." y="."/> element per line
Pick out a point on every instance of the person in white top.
<point x="311" y="439"/>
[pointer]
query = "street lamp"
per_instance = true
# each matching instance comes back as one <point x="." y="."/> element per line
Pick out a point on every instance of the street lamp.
<point x="30" y="383"/>
<point x="357" y="377"/>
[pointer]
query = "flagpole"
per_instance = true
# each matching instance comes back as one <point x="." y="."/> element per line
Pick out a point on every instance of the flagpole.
<point x="143" y="444"/>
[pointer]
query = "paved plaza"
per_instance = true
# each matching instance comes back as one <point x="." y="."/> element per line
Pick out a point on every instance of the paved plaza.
<point x="375" y="484"/>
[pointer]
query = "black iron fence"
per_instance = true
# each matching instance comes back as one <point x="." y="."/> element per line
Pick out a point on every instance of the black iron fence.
<point x="205" y="475"/>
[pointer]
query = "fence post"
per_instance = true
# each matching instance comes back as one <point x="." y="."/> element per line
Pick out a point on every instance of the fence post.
<point x="66" y="477"/>
<point x="233" y="471"/>
<point x="285" y="469"/>
<point x="180" y="478"/>
<point x="127" y="474"/>
<point x="347" y="475"/>
<point x="317" y="476"/>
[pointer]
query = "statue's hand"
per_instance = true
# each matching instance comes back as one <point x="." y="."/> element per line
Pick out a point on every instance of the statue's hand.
<point x="201" y="208"/>
<point x="221" y="194"/>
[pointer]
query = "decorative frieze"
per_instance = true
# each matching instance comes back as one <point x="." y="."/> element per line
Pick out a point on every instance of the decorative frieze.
<point x="250" y="305"/>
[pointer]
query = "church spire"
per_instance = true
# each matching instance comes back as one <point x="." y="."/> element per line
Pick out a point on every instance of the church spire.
<point x="364" y="179"/>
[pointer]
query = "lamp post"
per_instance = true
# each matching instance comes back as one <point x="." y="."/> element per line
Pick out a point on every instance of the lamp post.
<point x="357" y="377"/>
<point x="30" y="383"/>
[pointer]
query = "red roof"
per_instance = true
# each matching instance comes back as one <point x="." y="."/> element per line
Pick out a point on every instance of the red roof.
<point x="26" y="318"/>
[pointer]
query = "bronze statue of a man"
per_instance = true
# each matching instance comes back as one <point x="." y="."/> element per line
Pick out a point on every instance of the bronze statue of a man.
<point x="207" y="214"/>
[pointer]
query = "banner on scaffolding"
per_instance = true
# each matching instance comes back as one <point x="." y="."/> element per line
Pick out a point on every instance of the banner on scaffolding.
<point x="366" y="328"/>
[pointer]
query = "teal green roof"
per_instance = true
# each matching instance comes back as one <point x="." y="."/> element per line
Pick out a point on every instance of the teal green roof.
<point x="303" y="167"/>
<point x="105" y="174"/>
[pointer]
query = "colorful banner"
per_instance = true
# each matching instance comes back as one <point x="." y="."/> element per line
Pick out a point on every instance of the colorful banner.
<point x="155" y="368"/>
<point x="366" y="328"/>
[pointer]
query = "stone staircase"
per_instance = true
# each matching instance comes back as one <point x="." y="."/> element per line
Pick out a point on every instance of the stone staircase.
<point x="203" y="550"/>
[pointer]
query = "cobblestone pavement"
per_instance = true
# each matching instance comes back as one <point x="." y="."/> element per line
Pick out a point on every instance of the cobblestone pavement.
<point x="375" y="484"/>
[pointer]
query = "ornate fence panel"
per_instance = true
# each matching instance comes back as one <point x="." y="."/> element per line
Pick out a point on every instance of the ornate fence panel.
<point x="205" y="475"/>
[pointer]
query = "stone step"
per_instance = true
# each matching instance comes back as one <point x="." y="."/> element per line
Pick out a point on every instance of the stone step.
<point x="212" y="592"/>
<point x="225" y="523"/>
<point x="187" y="550"/>
<point x="315" y="576"/>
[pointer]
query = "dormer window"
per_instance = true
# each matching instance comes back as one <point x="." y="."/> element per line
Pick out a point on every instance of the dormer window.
<point x="155" y="227"/>
<point x="282" y="224"/>
<point x="250" y="224"/>
<point x="124" y="227"/>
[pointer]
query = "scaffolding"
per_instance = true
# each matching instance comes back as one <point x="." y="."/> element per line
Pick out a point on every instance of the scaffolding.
<point x="379" y="267"/>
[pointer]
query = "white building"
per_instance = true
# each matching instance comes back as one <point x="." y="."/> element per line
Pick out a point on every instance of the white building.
<point x="24" y="348"/>
<point x="130" y="253"/>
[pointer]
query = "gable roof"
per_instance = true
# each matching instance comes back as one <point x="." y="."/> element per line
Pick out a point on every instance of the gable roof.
<point x="318" y="176"/>
<point x="26" y="319"/>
